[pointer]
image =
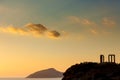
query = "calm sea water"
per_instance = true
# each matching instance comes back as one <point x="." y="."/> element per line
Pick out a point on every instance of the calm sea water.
<point x="30" y="78"/>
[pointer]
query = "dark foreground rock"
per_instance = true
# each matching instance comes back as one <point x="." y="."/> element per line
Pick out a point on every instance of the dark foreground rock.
<point x="93" y="71"/>
<point x="48" y="73"/>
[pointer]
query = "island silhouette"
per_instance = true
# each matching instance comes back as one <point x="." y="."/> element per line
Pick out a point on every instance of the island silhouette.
<point x="47" y="73"/>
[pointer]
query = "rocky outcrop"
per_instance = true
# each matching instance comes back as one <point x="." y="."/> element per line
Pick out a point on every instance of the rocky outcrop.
<point x="93" y="71"/>
<point x="47" y="73"/>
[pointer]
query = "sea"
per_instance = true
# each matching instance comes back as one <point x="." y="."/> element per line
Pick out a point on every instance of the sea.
<point x="30" y="78"/>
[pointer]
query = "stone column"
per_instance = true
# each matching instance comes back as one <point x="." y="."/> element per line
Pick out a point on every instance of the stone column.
<point x="111" y="58"/>
<point x="101" y="58"/>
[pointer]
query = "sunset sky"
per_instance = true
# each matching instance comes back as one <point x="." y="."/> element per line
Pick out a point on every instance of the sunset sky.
<point x="41" y="34"/>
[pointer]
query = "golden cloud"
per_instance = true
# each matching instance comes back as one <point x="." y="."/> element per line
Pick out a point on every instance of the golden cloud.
<point x="36" y="30"/>
<point x="53" y="34"/>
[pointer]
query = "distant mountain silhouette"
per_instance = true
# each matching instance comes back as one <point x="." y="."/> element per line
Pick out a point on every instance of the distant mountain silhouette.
<point x="47" y="73"/>
<point x="93" y="71"/>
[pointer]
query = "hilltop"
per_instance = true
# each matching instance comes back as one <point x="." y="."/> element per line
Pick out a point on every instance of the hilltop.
<point x="93" y="71"/>
<point x="47" y="73"/>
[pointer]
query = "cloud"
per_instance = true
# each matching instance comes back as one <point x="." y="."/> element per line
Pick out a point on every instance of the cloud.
<point x="53" y="34"/>
<point x="108" y="22"/>
<point x="83" y="21"/>
<point x="74" y="19"/>
<point x="87" y="25"/>
<point x="87" y="22"/>
<point x="14" y="30"/>
<point x="100" y="27"/>
<point x="36" y="30"/>
<point x="93" y="31"/>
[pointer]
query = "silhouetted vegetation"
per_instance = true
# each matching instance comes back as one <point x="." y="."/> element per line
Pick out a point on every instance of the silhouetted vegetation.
<point x="93" y="71"/>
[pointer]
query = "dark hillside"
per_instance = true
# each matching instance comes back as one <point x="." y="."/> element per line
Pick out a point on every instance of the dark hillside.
<point x="93" y="71"/>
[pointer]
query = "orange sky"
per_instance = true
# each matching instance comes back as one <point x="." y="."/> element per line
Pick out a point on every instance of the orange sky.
<point x="41" y="34"/>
